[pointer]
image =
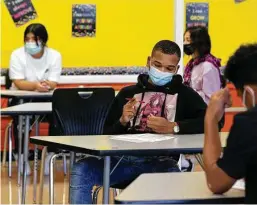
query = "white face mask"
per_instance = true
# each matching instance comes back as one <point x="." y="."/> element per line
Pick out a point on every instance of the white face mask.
<point x="251" y="92"/>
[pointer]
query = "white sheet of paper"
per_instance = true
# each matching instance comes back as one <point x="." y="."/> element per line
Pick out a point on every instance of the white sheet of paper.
<point x="140" y="138"/>
<point x="240" y="184"/>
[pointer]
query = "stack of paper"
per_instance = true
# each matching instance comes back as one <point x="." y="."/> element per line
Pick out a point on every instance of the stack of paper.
<point x="140" y="138"/>
<point x="240" y="184"/>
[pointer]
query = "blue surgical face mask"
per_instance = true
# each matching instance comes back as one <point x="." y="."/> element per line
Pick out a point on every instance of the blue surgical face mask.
<point x="158" y="77"/>
<point x="32" y="48"/>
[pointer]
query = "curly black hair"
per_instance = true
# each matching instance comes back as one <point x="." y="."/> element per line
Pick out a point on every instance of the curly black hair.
<point x="241" y="68"/>
<point x="200" y="39"/>
<point x="167" y="47"/>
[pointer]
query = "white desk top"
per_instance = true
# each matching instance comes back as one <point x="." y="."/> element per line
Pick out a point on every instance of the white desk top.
<point x="22" y="94"/>
<point x="91" y="79"/>
<point x="28" y="109"/>
<point x="25" y="94"/>
<point x="172" y="188"/>
<point x="235" y="109"/>
<point x="102" y="145"/>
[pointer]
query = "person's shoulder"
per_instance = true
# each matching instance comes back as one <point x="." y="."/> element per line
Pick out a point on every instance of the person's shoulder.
<point x="53" y="53"/>
<point x="249" y="115"/>
<point x="128" y="90"/>
<point x="207" y="67"/>
<point x="246" y="121"/>
<point x="184" y="89"/>
<point x="188" y="94"/>
<point x="244" y="126"/>
<point x="19" y="52"/>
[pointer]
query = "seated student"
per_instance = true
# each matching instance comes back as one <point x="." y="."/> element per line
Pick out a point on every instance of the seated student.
<point x="239" y="159"/>
<point x="202" y="72"/>
<point x="158" y="103"/>
<point x="34" y="67"/>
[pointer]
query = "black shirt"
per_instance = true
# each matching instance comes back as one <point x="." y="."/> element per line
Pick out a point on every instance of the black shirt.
<point x="240" y="155"/>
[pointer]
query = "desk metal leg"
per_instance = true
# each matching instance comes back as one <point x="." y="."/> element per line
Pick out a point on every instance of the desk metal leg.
<point x="106" y="178"/>
<point x="25" y="160"/>
<point x="72" y="161"/>
<point x="20" y="126"/>
<point x="199" y="159"/>
<point x="51" y="179"/>
<point x="41" y="179"/>
<point x="10" y="191"/>
<point x="35" y="163"/>
<point x="10" y="151"/>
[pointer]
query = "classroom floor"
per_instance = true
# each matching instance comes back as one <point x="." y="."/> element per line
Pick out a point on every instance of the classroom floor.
<point x="11" y="193"/>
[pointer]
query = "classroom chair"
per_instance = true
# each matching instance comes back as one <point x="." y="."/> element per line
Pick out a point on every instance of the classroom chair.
<point x="77" y="111"/>
<point x="8" y="131"/>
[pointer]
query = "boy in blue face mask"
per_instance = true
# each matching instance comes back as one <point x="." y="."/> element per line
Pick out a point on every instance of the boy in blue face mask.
<point x="158" y="103"/>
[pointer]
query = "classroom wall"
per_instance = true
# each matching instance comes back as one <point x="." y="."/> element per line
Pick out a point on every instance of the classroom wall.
<point x="127" y="30"/>
<point x="230" y="25"/>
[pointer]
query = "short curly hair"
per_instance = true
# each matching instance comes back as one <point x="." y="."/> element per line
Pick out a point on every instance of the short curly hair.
<point x="241" y="68"/>
<point x="167" y="47"/>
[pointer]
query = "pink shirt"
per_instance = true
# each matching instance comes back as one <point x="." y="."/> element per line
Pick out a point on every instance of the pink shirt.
<point x="205" y="80"/>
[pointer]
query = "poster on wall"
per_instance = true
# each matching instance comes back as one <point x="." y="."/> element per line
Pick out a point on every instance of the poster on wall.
<point x="83" y="20"/>
<point x="197" y="14"/>
<point x="21" y="11"/>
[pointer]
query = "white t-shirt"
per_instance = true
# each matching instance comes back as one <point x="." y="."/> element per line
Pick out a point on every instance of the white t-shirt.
<point x="24" y="66"/>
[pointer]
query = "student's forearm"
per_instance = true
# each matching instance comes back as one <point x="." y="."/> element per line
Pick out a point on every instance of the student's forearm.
<point x="218" y="181"/>
<point x="212" y="145"/>
<point x="25" y="85"/>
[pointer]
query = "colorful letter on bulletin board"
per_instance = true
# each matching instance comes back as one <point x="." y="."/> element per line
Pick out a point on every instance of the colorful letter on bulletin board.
<point x="83" y="20"/>
<point x="197" y="14"/>
<point x="21" y="11"/>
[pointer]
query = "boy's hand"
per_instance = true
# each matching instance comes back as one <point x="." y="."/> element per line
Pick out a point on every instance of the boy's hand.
<point x="128" y="111"/>
<point x="160" y="125"/>
<point x="219" y="101"/>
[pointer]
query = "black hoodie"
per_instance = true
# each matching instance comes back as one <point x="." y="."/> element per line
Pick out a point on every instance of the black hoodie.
<point x="174" y="101"/>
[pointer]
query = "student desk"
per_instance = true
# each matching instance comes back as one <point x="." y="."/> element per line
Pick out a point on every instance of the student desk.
<point x="175" y="188"/>
<point x="26" y="95"/>
<point x="104" y="146"/>
<point x="26" y="110"/>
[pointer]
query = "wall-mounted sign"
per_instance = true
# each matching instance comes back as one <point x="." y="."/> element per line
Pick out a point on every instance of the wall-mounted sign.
<point x="83" y="20"/>
<point x="197" y="14"/>
<point x="21" y="11"/>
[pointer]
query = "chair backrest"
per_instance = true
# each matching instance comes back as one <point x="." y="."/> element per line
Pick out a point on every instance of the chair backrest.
<point x="8" y="81"/>
<point x="81" y="111"/>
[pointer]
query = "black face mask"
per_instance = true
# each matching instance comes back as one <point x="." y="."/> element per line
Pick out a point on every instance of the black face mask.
<point x="189" y="49"/>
